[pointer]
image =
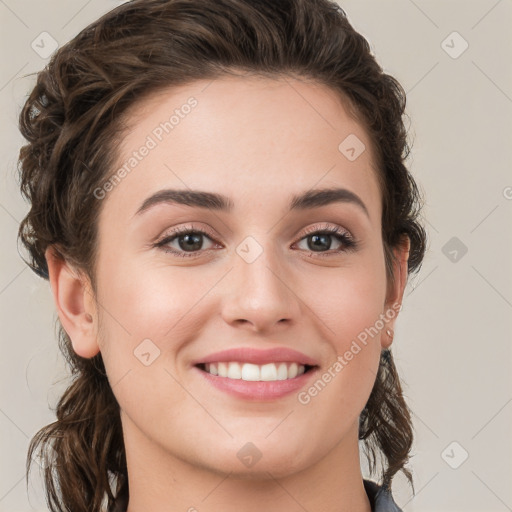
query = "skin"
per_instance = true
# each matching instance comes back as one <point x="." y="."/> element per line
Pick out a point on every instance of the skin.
<point x="258" y="141"/>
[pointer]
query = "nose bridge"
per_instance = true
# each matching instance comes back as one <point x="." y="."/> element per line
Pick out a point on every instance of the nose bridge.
<point x="258" y="290"/>
<point x="260" y="268"/>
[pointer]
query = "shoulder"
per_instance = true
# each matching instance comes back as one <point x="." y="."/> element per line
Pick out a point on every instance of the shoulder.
<point x="381" y="499"/>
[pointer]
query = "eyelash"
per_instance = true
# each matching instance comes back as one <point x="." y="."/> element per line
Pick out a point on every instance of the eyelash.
<point x="350" y="244"/>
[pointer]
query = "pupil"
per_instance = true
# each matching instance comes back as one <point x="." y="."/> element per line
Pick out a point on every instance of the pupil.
<point x="192" y="242"/>
<point x="317" y="241"/>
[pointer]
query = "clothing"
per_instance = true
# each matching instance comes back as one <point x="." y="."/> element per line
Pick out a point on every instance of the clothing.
<point x="381" y="499"/>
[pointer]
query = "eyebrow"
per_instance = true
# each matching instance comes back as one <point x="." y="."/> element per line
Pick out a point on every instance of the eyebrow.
<point x="195" y="198"/>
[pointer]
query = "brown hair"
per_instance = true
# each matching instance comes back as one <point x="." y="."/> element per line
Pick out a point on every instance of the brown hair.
<point x="72" y="121"/>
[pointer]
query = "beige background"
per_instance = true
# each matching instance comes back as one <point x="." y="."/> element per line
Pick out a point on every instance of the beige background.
<point x="453" y="339"/>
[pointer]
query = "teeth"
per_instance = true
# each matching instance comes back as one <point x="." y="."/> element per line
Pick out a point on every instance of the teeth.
<point x="254" y="372"/>
<point x="250" y="372"/>
<point x="222" y="369"/>
<point x="234" y="371"/>
<point x="268" y="372"/>
<point x="282" y="372"/>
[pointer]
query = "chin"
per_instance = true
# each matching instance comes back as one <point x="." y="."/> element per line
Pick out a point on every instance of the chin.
<point x="258" y="460"/>
<point x="269" y="469"/>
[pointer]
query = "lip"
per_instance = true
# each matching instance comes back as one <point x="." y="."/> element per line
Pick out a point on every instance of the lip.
<point x="258" y="356"/>
<point x="260" y="391"/>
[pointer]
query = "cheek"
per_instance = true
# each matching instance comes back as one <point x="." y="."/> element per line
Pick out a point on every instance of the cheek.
<point x="147" y="300"/>
<point x="352" y="301"/>
<point x="145" y="317"/>
<point x="356" y="315"/>
<point x="151" y="312"/>
<point x="352" y="309"/>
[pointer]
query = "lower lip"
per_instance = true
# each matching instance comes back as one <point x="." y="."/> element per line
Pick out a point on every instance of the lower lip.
<point x="258" y="390"/>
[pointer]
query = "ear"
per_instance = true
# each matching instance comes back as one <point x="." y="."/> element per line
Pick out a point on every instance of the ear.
<point x="395" y="290"/>
<point x="74" y="300"/>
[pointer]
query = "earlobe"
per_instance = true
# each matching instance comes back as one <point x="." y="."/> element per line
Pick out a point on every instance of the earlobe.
<point x="72" y="296"/>
<point x="396" y="291"/>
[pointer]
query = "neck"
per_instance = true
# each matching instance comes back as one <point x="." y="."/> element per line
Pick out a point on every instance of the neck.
<point x="159" y="481"/>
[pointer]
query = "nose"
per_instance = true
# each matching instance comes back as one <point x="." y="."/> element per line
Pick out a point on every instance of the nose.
<point x="260" y="295"/>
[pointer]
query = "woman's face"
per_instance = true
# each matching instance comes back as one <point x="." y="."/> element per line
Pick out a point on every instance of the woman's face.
<point x="250" y="277"/>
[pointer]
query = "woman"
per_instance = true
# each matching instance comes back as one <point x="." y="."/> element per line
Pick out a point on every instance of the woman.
<point x="220" y="203"/>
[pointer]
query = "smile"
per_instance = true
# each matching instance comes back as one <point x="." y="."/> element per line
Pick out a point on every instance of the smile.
<point x="254" y="372"/>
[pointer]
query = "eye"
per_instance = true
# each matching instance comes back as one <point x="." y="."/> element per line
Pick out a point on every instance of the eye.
<point x="320" y="240"/>
<point x="186" y="239"/>
<point x="189" y="241"/>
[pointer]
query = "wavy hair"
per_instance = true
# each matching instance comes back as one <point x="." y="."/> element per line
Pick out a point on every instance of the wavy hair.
<point x="73" y="121"/>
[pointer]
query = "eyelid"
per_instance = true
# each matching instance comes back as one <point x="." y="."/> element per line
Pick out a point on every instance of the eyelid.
<point x="332" y="229"/>
<point x="342" y="234"/>
<point x="186" y="229"/>
<point x="192" y="227"/>
<point x="336" y="231"/>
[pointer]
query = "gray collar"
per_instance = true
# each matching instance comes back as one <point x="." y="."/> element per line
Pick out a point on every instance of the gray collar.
<point x="381" y="499"/>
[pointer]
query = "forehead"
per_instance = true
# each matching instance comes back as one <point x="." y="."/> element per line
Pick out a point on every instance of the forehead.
<point x="247" y="137"/>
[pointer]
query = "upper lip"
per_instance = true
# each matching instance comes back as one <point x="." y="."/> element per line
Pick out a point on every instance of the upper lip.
<point x="258" y="356"/>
